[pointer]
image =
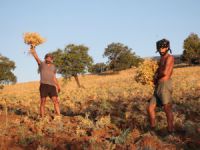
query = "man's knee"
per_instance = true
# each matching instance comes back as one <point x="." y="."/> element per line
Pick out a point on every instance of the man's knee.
<point x="167" y="108"/>
<point x="151" y="108"/>
<point x="43" y="101"/>
<point x="55" y="100"/>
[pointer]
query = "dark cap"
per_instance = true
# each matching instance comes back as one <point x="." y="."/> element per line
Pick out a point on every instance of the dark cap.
<point x="48" y="55"/>
<point x="164" y="43"/>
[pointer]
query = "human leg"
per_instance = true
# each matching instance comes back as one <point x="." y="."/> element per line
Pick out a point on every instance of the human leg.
<point x="169" y="115"/>
<point x="152" y="115"/>
<point x="56" y="105"/>
<point x="42" y="106"/>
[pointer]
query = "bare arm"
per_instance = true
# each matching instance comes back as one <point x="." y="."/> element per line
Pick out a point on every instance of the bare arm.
<point x="57" y="84"/>
<point x="155" y="78"/>
<point x="33" y="52"/>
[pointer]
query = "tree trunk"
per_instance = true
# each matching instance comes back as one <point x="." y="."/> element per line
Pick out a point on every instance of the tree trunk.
<point x="77" y="80"/>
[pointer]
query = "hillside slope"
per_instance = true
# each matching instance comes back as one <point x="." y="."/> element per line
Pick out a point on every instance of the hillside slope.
<point x="109" y="112"/>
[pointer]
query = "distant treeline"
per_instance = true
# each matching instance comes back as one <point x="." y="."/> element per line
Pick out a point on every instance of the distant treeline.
<point x="74" y="59"/>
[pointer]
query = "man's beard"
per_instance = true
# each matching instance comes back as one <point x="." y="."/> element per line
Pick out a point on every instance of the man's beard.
<point x="163" y="53"/>
<point x="48" y="62"/>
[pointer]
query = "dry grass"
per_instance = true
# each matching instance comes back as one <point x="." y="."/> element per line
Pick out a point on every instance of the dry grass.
<point x="101" y="111"/>
<point x="33" y="38"/>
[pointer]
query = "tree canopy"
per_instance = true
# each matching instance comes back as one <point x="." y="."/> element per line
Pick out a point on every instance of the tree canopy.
<point x="98" y="68"/>
<point x="191" y="45"/>
<point x="120" y="57"/>
<point x="73" y="60"/>
<point x="6" y="74"/>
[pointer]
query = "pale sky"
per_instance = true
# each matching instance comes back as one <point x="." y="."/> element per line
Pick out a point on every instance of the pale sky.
<point x="94" y="23"/>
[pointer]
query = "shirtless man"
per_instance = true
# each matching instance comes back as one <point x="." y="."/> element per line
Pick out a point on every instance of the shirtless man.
<point x="163" y="85"/>
<point x="48" y="83"/>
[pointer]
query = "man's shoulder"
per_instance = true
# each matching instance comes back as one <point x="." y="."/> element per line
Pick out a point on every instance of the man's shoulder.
<point x="171" y="57"/>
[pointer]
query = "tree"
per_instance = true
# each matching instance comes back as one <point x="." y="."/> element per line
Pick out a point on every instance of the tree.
<point x="191" y="46"/>
<point x="73" y="60"/>
<point x="98" y="68"/>
<point x="6" y="74"/>
<point x="121" y="57"/>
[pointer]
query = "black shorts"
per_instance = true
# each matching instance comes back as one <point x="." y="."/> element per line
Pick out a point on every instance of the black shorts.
<point x="47" y="90"/>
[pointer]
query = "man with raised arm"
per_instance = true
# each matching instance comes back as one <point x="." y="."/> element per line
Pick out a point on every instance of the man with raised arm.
<point x="48" y="83"/>
<point x="163" y="85"/>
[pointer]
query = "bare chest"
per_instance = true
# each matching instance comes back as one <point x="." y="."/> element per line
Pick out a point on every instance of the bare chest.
<point x="162" y="64"/>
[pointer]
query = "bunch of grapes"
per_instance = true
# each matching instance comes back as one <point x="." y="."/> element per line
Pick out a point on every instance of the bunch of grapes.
<point x="145" y="72"/>
<point x="33" y="38"/>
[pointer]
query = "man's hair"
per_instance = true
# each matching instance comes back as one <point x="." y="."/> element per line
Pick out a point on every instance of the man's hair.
<point x="164" y="43"/>
<point x="48" y="55"/>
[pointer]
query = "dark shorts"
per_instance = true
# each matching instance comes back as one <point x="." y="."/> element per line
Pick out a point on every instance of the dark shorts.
<point x="162" y="94"/>
<point x="48" y="90"/>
